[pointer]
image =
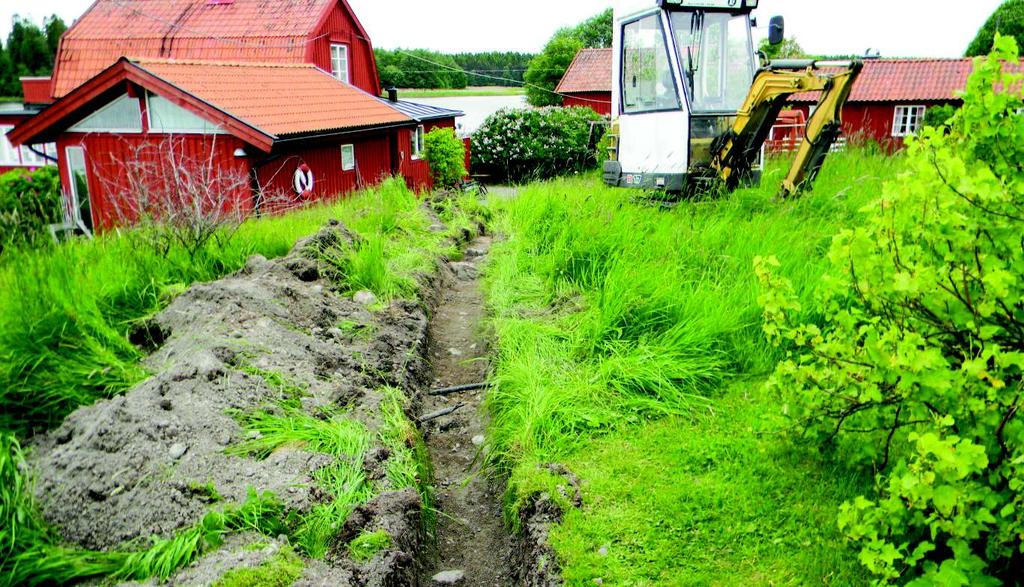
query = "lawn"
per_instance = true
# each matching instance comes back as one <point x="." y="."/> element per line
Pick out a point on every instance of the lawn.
<point x="630" y="349"/>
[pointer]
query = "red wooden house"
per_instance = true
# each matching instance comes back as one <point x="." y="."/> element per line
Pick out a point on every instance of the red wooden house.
<point x="588" y="81"/>
<point x="275" y="99"/>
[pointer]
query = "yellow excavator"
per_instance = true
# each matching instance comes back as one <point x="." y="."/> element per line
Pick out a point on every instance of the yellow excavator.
<point x="687" y="115"/>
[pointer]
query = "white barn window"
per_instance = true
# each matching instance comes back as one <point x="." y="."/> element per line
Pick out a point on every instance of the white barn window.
<point x="418" y="142"/>
<point x="339" y="63"/>
<point x="123" y="115"/>
<point x="908" y="120"/>
<point x="8" y="154"/>
<point x="166" y="116"/>
<point x="348" y="157"/>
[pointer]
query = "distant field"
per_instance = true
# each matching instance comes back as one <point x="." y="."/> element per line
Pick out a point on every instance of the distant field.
<point x="466" y="92"/>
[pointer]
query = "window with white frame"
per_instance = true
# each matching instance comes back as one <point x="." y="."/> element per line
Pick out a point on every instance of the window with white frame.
<point x="908" y="120"/>
<point x="8" y="154"/>
<point x="24" y="156"/>
<point x="339" y="62"/>
<point x="122" y="115"/>
<point x="348" y="157"/>
<point x="418" y="142"/>
<point x="167" y="117"/>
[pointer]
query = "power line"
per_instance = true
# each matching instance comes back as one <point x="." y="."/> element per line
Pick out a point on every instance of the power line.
<point x="499" y="78"/>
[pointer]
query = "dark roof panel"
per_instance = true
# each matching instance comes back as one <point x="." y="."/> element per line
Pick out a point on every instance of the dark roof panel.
<point x="422" y="112"/>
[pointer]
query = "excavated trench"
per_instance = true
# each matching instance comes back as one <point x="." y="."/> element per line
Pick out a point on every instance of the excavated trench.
<point x="472" y="546"/>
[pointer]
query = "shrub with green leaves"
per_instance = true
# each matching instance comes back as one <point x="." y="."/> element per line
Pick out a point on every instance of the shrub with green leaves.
<point x="29" y="202"/>
<point x="446" y="155"/>
<point x="917" y="365"/>
<point x="520" y="145"/>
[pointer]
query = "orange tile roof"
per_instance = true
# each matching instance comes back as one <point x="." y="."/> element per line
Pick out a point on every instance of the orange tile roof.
<point x="591" y="71"/>
<point x="266" y="31"/>
<point x="289" y="99"/>
<point x="903" y="80"/>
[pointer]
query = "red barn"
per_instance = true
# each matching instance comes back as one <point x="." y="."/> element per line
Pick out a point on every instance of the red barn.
<point x="273" y="102"/>
<point x="588" y="81"/>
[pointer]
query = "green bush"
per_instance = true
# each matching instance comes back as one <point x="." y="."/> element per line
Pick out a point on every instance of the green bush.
<point x="519" y="145"/>
<point x="29" y="202"/>
<point x="917" y="365"/>
<point x="446" y="155"/>
<point x="938" y="116"/>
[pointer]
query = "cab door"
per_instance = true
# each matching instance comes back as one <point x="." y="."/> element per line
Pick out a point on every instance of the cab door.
<point x="653" y="120"/>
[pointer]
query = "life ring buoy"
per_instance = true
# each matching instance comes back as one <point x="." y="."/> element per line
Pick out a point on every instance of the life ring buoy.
<point x="303" y="182"/>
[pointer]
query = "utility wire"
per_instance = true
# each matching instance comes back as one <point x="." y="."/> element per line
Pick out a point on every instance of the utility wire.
<point x="499" y="78"/>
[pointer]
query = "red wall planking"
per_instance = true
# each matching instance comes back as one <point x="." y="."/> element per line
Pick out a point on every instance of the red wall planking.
<point x="107" y="154"/>
<point x="330" y="181"/>
<point x="600" y="102"/>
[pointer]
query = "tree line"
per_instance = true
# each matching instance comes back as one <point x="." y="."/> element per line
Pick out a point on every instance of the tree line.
<point x="30" y="50"/>
<point x="421" y="68"/>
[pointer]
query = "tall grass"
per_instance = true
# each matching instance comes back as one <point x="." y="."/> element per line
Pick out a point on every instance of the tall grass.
<point x="610" y="308"/>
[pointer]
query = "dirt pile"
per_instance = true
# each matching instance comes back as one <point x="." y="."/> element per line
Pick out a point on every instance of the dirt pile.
<point x="156" y="460"/>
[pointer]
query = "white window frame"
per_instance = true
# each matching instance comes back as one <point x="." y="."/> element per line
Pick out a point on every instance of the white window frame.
<point x="348" y="157"/>
<point x="76" y="207"/>
<point x="9" y="156"/>
<point x="213" y="129"/>
<point x="121" y="131"/>
<point x="23" y="156"/>
<point x="339" y="56"/>
<point x="907" y="120"/>
<point x="418" y="139"/>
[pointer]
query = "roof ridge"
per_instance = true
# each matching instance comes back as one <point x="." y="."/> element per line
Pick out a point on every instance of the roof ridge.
<point x="218" y="63"/>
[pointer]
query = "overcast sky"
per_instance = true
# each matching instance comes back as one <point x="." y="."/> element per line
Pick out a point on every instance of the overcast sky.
<point x="897" y="28"/>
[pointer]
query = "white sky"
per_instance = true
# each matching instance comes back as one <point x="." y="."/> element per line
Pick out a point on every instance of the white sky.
<point x="897" y="28"/>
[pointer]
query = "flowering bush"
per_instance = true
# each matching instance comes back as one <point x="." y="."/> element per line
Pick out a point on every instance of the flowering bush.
<point x="917" y="367"/>
<point x="520" y="145"/>
<point x="29" y="202"/>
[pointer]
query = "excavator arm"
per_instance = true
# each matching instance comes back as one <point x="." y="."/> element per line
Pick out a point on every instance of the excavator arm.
<point x="736" y="152"/>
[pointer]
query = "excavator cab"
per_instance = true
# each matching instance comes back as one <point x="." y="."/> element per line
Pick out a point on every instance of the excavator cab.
<point x="693" y="105"/>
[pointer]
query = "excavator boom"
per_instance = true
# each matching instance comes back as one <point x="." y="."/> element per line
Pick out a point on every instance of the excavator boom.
<point x="737" y="151"/>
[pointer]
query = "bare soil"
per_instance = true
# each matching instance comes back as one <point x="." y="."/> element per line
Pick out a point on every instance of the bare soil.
<point x="471" y="536"/>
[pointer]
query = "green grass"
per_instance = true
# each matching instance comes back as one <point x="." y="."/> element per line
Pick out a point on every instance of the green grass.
<point x="715" y="500"/>
<point x="613" y="312"/>
<point x="280" y="571"/>
<point x="366" y="545"/>
<point x="339" y="436"/>
<point x="463" y="93"/>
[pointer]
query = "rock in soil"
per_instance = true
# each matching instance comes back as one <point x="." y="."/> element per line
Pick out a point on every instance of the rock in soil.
<point x="449" y="577"/>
